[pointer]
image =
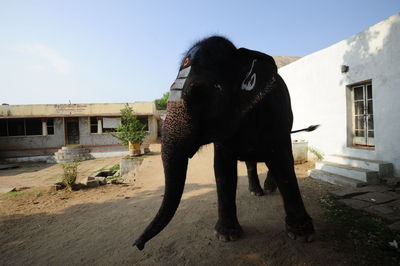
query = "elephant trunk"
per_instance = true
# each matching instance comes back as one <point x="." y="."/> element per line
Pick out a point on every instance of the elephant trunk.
<point x="177" y="147"/>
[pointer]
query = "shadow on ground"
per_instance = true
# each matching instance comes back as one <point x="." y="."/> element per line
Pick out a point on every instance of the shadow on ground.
<point x="103" y="233"/>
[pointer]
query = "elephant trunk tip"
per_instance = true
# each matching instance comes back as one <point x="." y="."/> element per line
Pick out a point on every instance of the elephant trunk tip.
<point x="139" y="243"/>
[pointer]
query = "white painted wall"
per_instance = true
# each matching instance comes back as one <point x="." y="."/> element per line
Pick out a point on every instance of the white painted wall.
<point x="318" y="91"/>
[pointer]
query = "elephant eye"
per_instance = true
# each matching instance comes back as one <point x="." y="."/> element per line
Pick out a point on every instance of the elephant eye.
<point x="218" y="86"/>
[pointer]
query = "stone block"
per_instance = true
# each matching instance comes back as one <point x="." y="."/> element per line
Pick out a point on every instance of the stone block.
<point x="7" y="189"/>
<point x="384" y="211"/>
<point x="346" y="192"/>
<point x="378" y="197"/>
<point x="395" y="226"/>
<point x="392" y="182"/>
<point x="92" y="183"/>
<point x="102" y="180"/>
<point x="354" y="203"/>
<point x="129" y="164"/>
<point x="117" y="181"/>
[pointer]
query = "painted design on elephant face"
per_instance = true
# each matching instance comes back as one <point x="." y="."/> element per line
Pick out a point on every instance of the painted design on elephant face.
<point x="250" y="80"/>
<point x="186" y="63"/>
<point x="176" y="87"/>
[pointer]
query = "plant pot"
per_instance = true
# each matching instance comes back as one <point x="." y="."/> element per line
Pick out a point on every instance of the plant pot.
<point x="134" y="149"/>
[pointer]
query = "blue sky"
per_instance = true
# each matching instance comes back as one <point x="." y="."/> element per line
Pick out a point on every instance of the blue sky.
<point x="124" y="51"/>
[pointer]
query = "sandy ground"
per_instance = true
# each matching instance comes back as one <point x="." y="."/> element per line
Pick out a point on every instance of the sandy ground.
<point x="42" y="174"/>
<point x="98" y="226"/>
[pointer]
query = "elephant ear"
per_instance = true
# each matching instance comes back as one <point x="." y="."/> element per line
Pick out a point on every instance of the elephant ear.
<point x="257" y="76"/>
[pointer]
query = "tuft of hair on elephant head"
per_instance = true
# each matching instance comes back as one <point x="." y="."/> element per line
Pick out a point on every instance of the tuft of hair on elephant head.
<point x="235" y="99"/>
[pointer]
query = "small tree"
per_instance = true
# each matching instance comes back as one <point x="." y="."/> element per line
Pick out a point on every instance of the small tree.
<point x="70" y="173"/>
<point x="161" y="104"/>
<point x="131" y="129"/>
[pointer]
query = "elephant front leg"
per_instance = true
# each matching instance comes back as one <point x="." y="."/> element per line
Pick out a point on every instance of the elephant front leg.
<point x="298" y="222"/>
<point x="254" y="182"/>
<point x="227" y="227"/>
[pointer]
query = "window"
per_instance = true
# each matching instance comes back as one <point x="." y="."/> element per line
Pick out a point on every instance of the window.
<point x="33" y="126"/>
<point x="50" y="126"/>
<point x="16" y="127"/>
<point x="111" y="123"/>
<point x="93" y="124"/>
<point x="144" y="120"/>
<point x="3" y="128"/>
<point x="362" y="115"/>
<point x="25" y="127"/>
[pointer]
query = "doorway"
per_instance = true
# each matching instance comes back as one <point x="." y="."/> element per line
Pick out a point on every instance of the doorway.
<point x="362" y="116"/>
<point x="72" y="131"/>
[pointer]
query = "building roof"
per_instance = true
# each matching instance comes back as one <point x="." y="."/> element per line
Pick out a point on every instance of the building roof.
<point x="74" y="110"/>
<point x="281" y="61"/>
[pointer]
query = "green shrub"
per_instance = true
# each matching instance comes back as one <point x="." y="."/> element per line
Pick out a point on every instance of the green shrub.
<point x="131" y="129"/>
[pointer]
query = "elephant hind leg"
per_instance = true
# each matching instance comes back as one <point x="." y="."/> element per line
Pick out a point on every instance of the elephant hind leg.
<point x="269" y="183"/>
<point x="298" y="223"/>
<point x="254" y="182"/>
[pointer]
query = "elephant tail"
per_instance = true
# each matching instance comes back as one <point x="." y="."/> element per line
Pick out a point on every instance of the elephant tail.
<point x="307" y="129"/>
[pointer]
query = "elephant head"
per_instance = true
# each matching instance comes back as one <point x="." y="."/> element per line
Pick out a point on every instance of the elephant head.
<point x="216" y="86"/>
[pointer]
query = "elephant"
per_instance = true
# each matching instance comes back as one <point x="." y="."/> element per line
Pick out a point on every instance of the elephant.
<point x="269" y="183"/>
<point x="234" y="98"/>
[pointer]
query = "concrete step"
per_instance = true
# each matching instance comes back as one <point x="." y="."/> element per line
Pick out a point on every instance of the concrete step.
<point x="81" y="150"/>
<point x="336" y="179"/>
<point x="360" y="174"/>
<point x="72" y="157"/>
<point x="71" y="153"/>
<point x="69" y="148"/>
<point x="385" y="169"/>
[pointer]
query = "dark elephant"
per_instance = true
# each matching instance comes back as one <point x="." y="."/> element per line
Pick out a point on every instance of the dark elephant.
<point x="235" y="99"/>
<point x="269" y="183"/>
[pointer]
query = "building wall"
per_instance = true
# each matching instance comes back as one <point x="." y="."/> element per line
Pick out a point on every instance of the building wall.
<point x="21" y="146"/>
<point x="94" y="141"/>
<point x="318" y="91"/>
<point x="24" y="146"/>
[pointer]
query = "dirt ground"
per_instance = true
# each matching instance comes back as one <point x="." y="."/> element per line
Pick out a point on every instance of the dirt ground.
<point x="98" y="226"/>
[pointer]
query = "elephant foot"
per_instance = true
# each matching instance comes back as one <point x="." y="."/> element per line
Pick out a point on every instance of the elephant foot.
<point x="270" y="187"/>
<point x="303" y="231"/>
<point x="228" y="233"/>
<point x="256" y="191"/>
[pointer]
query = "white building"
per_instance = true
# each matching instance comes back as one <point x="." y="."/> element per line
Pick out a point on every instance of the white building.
<point x="352" y="89"/>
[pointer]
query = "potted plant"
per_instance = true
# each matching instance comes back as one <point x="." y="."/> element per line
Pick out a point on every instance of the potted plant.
<point x="131" y="132"/>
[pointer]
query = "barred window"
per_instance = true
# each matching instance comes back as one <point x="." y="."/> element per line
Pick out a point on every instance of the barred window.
<point x="33" y="126"/>
<point x="16" y="127"/>
<point x="3" y="128"/>
<point x="23" y="127"/>
<point x="50" y="126"/>
<point x="93" y="125"/>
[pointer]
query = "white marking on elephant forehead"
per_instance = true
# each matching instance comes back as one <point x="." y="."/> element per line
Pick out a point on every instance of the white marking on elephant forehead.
<point x="249" y="82"/>
<point x="178" y="84"/>
<point x="175" y="95"/>
<point x="184" y="72"/>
